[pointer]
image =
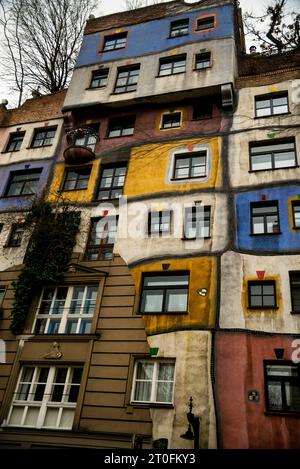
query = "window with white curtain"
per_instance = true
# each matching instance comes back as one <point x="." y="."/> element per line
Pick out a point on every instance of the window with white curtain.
<point x="153" y="381"/>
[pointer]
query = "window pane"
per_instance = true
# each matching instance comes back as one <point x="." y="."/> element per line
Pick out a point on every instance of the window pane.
<point x="284" y="160"/>
<point x="174" y="280"/>
<point x="164" y="392"/>
<point x="145" y="371"/>
<point x="282" y="370"/>
<point x="258" y="225"/>
<point x="256" y="300"/>
<point x="176" y="300"/>
<point x="292" y="392"/>
<point x="152" y="301"/>
<point x="166" y="371"/>
<point x="31" y="416"/>
<point x="263" y="112"/>
<point x="274" y="395"/>
<point x="261" y="162"/>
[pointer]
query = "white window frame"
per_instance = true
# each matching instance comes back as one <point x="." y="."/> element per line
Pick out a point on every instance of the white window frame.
<point x="45" y="404"/>
<point x="154" y="382"/>
<point x="185" y="150"/>
<point x="65" y="316"/>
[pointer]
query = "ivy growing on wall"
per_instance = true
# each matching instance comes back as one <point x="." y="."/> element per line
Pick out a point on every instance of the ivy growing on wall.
<point x="49" y="251"/>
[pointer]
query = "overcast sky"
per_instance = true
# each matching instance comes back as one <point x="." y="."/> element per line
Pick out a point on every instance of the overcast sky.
<point x="113" y="6"/>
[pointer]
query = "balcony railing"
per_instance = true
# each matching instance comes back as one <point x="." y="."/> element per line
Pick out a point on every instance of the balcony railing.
<point x="81" y="145"/>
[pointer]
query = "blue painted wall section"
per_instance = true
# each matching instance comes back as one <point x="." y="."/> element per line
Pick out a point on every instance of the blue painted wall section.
<point x="22" y="202"/>
<point x="287" y="240"/>
<point x="140" y="37"/>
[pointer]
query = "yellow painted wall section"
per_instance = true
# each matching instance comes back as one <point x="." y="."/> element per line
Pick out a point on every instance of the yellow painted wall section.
<point x="201" y="309"/>
<point x="245" y="300"/>
<point x="149" y="166"/>
<point x="81" y="196"/>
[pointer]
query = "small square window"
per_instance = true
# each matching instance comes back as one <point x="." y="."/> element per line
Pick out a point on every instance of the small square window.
<point x="127" y="79"/>
<point x="114" y="42"/>
<point x="272" y="155"/>
<point x="265" y="218"/>
<point x="112" y="181"/>
<point x="207" y="22"/>
<point x="261" y="295"/>
<point x="159" y="223"/>
<point x="15" y="141"/>
<point x="23" y="183"/>
<point x="15" y="236"/>
<point x="203" y="109"/>
<point x="76" y="179"/>
<point x="99" y="78"/>
<point x="43" y="137"/>
<point x="190" y="165"/>
<point x="282" y="384"/>
<point x="203" y="60"/>
<point x="121" y="126"/>
<point x="296" y="213"/>
<point x="179" y="28"/>
<point x="165" y="293"/>
<point x="171" y="121"/>
<point x="172" y="65"/>
<point x="101" y="239"/>
<point x="153" y="381"/>
<point x="271" y="104"/>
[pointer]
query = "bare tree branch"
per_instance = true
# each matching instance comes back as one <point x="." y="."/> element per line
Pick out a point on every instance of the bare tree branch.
<point x="133" y="4"/>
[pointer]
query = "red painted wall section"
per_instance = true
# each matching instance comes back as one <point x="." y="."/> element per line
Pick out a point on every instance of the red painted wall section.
<point x="239" y="369"/>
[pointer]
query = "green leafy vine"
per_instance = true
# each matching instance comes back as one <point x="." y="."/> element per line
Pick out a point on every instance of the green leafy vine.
<point x="48" y="254"/>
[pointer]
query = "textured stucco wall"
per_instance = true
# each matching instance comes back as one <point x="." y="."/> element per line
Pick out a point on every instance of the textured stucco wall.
<point x="239" y="369"/>
<point x="201" y="309"/>
<point x="287" y="240"/>
<point x="26" y="153"/>
<point x="140" y="36"/>
<point x="149" y="84"/>
<point x="192" y="350"/>
<point x="236" y="270"/>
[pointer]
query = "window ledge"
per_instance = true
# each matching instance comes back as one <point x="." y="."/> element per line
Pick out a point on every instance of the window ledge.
<point x="282" y="413"/>
<point x="152" y="404"/>
<point x="273" y="115"/>
<point x="96" y="87"/>
<point x="188" y="179"/>
<point x="122" y="92"/>
<point x="176" y="127"/>
<point x="296" y="228"/>
<point x="41" y="146"/>
<point x="201" y="69"/>
<point x="262" y="308"/>
<point x="64" y="337"/>
<point x="179" y="35"/>
<point x="170" y="75"/>
<point x="295" y="312"/>
<point x="272" y="169"/>
<point x="14" y="196"/>
<point x="163" y="312"/>
<point x="265" y="234"/>
<point x="11" y="151"/>
<point x="73" y="190"/>
<point x="195" y="239"/>
<point x="118" y="136"/>
<point x="11" y="245"/>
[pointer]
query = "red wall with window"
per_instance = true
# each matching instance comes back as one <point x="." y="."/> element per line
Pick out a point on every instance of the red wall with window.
<point x="239" y="369"/>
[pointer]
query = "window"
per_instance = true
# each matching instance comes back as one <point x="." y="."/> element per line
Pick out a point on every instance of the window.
<point x="112" y="182"/>
<point x="165" y="293"/>
<point x="99" y="78"/>
<point x="282" y="384"/>
<point x="102" y="237"/>
<point x="127" y="79"/>
<point x="88" y="138"/>
<point x="115" y="41"/>
<point x="278" y="154"/>
<point x="159" y="223"/>
<point x="203" y="60"/>
<point x="172" y="65"/>
<point x="190" y="165"/>
<point x="272" y="104"/>
<point x="197" y="222"/>
<point x="171" y="121"/>
<point x="76" y="179"/>
<point x="43" y="137"/>
<point x="265" y="217"/>
<point x="205" y="23"/>
<point x="121" y="126"/>
<point x="203" y="109"/>
<point x="262" y="294"/>
<point x="296" y="213"/>
<point x="295" y="291"/>
<point x="179" y="28"/>
<point x="23" y="182"/>
<point x="15" y="141"/>
<point x="16" y="236"/>
<point x="153" y="381"/>
<point x="66" y="310"/>
<point x="45" y="397"/>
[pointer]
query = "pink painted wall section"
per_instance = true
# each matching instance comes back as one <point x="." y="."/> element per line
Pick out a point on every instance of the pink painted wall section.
<point x="239" y="369"/>
<point x="147" y="126"/>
